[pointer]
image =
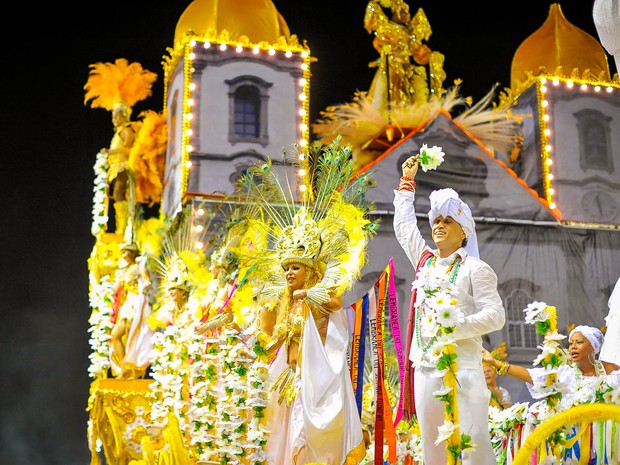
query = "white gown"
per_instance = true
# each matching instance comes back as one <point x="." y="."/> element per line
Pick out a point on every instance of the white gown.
<point x="322" y="425"/>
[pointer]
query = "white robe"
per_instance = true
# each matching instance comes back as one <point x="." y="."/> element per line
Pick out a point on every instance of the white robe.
<point x="323" y="424"/>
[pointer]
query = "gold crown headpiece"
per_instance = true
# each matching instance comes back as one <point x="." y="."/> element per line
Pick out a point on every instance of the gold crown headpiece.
<point x="300" y="242"/>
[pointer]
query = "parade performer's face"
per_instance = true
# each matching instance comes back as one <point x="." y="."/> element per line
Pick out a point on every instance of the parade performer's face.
<point x="128" y="257"/>
<point x="295" y="274"/>
<point x="580" y="348"/>
<point x="447" y="233"/>
<point x="490" y="374"/>
<point x="177" y="295"/>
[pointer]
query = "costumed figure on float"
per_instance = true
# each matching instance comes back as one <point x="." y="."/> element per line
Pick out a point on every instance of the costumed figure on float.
<point x="317" y="249"/>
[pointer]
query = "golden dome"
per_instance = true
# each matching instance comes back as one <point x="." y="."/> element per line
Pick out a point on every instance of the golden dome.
<point x="558" y="43"/>
<point x="257" y="19"/>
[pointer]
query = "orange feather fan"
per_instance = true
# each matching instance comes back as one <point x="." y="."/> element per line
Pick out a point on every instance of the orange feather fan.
<point x="121" y="82"/>
<point x="147" y="157"/>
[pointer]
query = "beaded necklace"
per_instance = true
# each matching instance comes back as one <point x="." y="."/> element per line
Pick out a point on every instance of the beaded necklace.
<point x="452" y="272"/>
<point x="598" y="370"/>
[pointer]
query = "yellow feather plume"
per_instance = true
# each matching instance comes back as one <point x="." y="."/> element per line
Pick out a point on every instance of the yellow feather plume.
<point x="121" y="82"/>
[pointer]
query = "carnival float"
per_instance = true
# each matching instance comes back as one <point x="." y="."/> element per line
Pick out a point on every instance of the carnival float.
<point x="186" y="208"/>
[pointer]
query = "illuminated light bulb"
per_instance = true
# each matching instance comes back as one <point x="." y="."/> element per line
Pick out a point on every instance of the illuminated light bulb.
<point x="609" y="89"/>
<point x="302" y="112"/>
<point x="192" y="70"/>
<point x="547" y="131"/>
<point x="207" y="44"/>
<point x="556" y="81"/>
<point x="189" y="132"/>
<point x="302" y="156"/>
<point x="303" y="126"/>
<point x="570" y="84"/>
<point x="189" y="116"/>
<point x="545" y="103"/>
<point x="303" y="143"/>
<point x="552" y="205"/>
<point x="302" y="172"/>
<point x="192" y="86"/>
<point x="223" y="47"/>
<point x="303" y="82"/>
<point x="272" y="52"/>
<point x="584" y="87"/>
<point x="199" y="245"/>
<point x="304" y="66"/>
<point x="302" y="97"/>
<point x="200" y="228"/>
<point x="255" y="50"/>
<point x="304" y="53"/>
<point x="239" y="48"/>
<point x="192" y="56"/>
<point x="548" y="148"/>
<point x="190" y="102"/>
<point x="597" y="88"/>
<point x="303" y="188"/>
<point x="543" y="89"/>
<point x="543" y="80"/>
<point x="549" y="161"/>
<point x="551" y="191"/>
<point x="550" y="177"/>
<point x="188" y="164"/>
<point x="189" y="149"/>
<point x="545" y="117"/>
<point x="192" y="43"/>
<point x="288" y="54"/>
<point x="200" y="212"/>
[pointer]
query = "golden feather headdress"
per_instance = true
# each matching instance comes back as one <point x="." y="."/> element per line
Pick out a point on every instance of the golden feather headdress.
<point x="325" y="227"/>
<point x="118" y="86"/>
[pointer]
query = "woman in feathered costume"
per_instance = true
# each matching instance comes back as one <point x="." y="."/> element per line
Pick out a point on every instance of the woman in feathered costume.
<point x="317" y="251"/>
<point x="117" y="87"/>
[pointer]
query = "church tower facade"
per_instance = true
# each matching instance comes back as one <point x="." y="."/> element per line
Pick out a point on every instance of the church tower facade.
<point x="237" y="85"/>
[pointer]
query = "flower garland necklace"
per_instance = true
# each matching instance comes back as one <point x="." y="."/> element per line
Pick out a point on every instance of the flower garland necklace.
<point x="429" y="291"/>
<point x="437" y="310"/>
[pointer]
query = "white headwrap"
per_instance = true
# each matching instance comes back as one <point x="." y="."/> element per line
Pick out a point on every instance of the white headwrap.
<point x="592" y="334"/>
<point x="446" y="202"/>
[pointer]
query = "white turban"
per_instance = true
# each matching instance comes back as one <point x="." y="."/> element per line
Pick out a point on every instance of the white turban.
<point x="446" y="202"/>
<point x="592" y="334"/>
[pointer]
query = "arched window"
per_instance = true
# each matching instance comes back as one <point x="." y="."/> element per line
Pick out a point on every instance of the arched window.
<point x="520" y="335"/>
<point x="248" y="98"/>
<point x="594" y="140"/>
<point x="247" y="111"/>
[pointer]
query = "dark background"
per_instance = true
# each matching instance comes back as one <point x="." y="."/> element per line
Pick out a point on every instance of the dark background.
<point x="50" y="139"/>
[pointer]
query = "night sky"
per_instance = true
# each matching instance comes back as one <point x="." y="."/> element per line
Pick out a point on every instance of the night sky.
<point x="50" y="140"/>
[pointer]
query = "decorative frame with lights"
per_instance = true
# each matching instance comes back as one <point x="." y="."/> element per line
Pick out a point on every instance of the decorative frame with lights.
<point x="571" y="119"/>
<point x="182" y="68"/>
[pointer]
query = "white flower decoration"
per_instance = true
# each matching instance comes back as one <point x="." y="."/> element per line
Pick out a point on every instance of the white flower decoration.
<point x="445" y="431"/>
<point x="535" y="312"/>
<point x="430" y="158"/>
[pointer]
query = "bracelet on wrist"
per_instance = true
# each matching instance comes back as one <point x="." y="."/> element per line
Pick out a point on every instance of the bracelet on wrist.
<point x="406" y="184"/>
<point x="503" y="368"/>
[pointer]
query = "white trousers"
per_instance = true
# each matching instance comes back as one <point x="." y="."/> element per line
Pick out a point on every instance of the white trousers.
<point x="473" y="407"/>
